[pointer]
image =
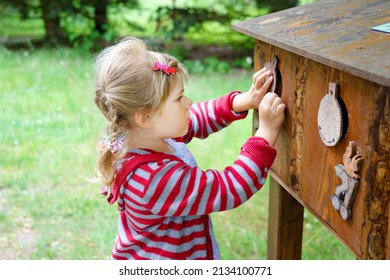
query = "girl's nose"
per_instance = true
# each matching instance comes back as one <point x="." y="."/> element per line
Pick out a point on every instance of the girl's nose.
<point x="188" y="102"/>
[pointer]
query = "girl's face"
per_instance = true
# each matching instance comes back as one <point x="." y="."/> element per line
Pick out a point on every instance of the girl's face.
<point x="172" y="120"/>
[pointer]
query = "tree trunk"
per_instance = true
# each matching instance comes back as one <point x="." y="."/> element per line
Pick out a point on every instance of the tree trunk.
<point x="101" y="19"/>
<point x="54" y="32"/>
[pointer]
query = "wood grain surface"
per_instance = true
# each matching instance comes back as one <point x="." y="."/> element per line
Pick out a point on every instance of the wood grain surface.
<point x="336" y="33"/>
<point x="305" y="167"/>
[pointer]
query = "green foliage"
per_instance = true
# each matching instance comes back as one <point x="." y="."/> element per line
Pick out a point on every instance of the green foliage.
<point x="86" y="21"/>
<point x="174" y="22"/>
<point x="207" y="66"/>
<point x="210" y="25"/>
<point x="213" y="65"/>
<point x="244" y="63"/>
<point x="277" y="5"/>
<point x="93" y="41"/>
<point x="190" y="21"/>
<point x="12" y="24"/>
<point x="59" y="15"/>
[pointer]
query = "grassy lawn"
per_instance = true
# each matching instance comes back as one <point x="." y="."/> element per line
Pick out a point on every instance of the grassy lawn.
<point x="50" y="209"/>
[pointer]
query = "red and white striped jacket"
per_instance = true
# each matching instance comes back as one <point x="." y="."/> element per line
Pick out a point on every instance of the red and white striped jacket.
<point x="164" y="201"/>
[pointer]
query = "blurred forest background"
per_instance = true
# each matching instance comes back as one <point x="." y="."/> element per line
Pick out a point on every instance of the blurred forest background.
<point x="49" y="208"/>
<point x="190" y="29"/>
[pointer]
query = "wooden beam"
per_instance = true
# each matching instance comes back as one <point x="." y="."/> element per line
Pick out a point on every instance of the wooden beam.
<point x="285" y="224"/>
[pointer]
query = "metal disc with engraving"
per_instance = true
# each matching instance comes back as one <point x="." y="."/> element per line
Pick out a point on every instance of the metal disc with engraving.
<point x="330" y="118"/>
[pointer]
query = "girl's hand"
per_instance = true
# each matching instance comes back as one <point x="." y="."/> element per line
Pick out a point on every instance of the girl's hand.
<point x="271" y="117"/>
<point x="261" y="80"/>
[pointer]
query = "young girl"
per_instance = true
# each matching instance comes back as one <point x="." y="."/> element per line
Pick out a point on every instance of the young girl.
<point x="163" y="197"/>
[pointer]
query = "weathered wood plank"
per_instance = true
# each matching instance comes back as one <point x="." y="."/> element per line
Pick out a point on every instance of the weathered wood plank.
<point x="285" y="224"/>
<point x="333" y="32"/>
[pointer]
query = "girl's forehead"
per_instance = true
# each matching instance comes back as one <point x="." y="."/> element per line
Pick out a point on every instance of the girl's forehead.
<point x="177" y="84"/>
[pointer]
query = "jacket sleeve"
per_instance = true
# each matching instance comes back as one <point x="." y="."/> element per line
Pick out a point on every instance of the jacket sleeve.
<point x="211" y="116"/>
<point x="176" y="189"/>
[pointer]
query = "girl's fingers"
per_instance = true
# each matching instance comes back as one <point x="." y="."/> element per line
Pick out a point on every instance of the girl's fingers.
<point x="277" y="101"/>
<point x="260" y="77"/>
<point x="270" y="97"/>
<point x="268" y="81"/>
<point x="280" y="108"/>
<point x="257" y="74"/>
<point x="272" y="100"/>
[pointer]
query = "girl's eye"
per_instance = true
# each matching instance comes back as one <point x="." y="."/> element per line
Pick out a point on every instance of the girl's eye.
<point x="180" y="97"/>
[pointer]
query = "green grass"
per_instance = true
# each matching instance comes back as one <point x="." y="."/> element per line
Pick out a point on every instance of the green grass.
<point x="49" y="208"/>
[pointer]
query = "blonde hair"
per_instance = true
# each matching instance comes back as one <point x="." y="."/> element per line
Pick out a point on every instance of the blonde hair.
<point x="125" y="83"/>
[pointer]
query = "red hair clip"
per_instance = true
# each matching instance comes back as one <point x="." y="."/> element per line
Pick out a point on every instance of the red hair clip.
<point x="165" y="68"/>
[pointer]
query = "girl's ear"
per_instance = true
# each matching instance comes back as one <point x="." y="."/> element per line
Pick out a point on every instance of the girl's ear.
<point x="143" y="118"/>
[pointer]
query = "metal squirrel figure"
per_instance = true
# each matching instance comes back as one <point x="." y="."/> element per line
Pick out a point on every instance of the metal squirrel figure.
<point x="349" y="173"/>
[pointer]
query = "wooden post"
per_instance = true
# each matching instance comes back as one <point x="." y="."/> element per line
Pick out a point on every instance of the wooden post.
<point x="285" y="224"/>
